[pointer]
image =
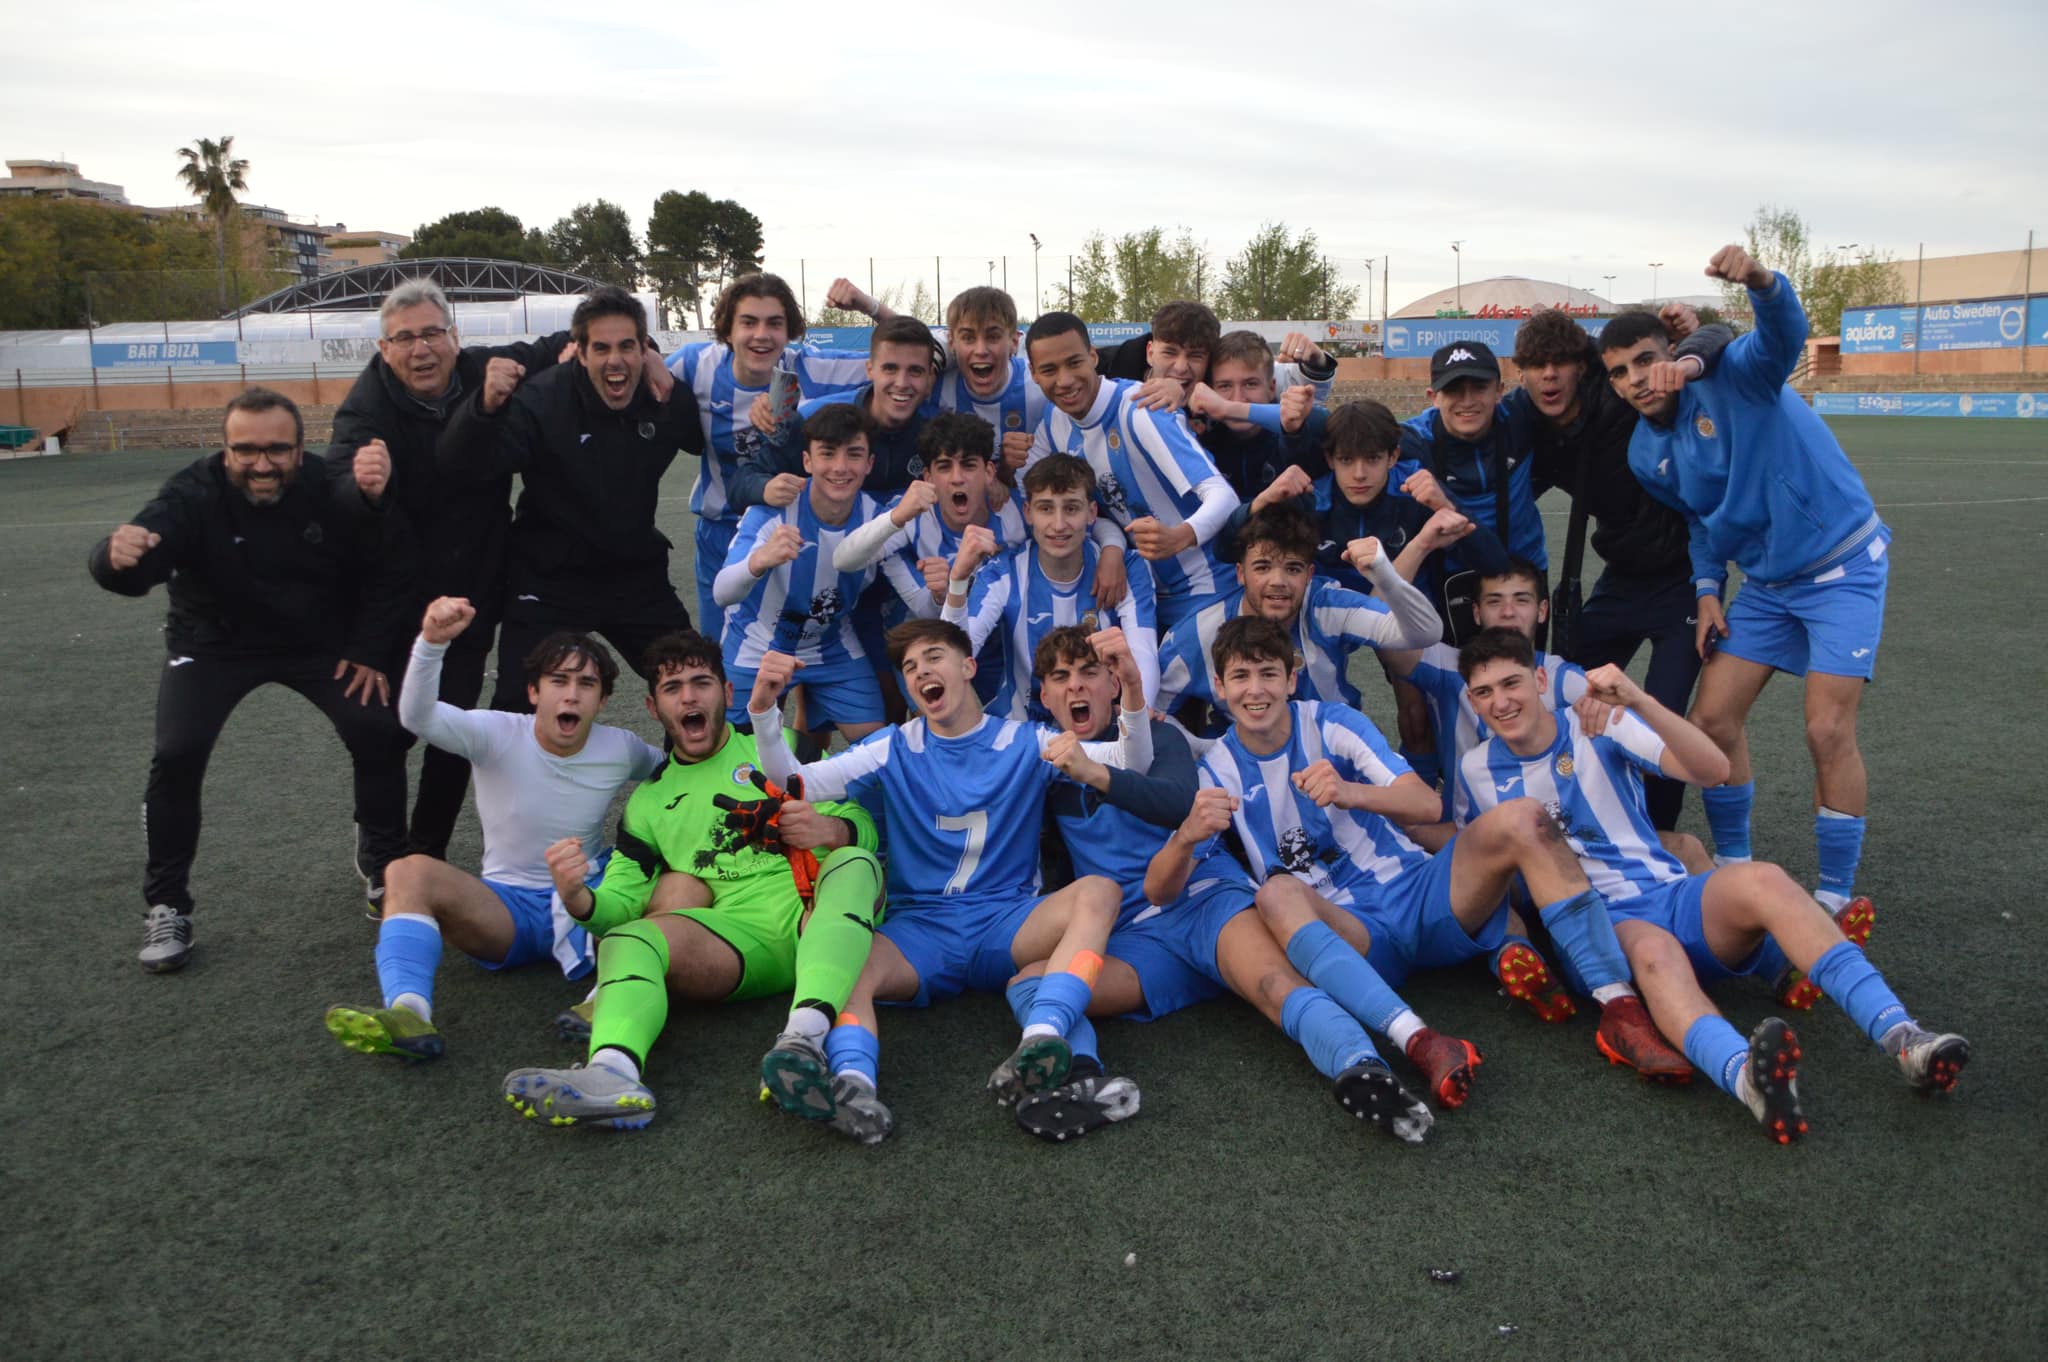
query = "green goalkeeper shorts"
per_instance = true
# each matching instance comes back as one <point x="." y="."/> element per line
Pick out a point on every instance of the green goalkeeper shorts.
<point x="761" y="928"/>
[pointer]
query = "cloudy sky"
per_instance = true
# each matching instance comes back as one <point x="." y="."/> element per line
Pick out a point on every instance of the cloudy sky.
<point x="1565" y="141"/>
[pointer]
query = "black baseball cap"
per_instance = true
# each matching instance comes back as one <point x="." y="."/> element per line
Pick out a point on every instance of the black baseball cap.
<point x="1462" y="359"/>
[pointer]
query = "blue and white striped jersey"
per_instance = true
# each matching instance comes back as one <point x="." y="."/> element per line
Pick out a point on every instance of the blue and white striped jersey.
<point x="1334" y="623"/>
<point x="1149" y="464"/>
<point x="725" y="408"/>
<point x="1458" y="726"/>
<point x="1595" y="788"/>
<point x="804" y="607"/>
<point x="1017" y="409"/>
<point x="1342" y="854"/>
<point x="962" y="816"/>
<point x="1012" y="599"/>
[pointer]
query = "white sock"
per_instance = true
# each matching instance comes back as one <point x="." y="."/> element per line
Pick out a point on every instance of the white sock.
<point x="1037" y="1029"/>
<point x="1830" y="900"/>
<point x="1607" y="993"/>
<point x="1720" y="860"/>
<point x="809" y="1023"/>
<point x="1402" y="1029"/>
<point x="618" y="1061"/>
<point x="415" y="1004"/>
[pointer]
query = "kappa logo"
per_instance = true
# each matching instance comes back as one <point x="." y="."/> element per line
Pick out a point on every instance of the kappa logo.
<point x="239" y="540"/>
<point x="1704" y="424"/>
<point x="1460" y="354"/>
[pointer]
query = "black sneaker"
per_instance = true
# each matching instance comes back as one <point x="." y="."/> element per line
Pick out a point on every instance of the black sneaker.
<point x="373" y="897"/>
<point x="166" y="940"/>
<point x="1074" y="1108"/>
<point x="1370" y="1092"/>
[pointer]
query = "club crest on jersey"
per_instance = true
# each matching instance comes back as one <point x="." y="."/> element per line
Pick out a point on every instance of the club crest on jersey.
<point x="647" y="430"/>
<point x="826" y="604"/>
<point x="743" y="774"/>
<point x="1704" y="424"/>
<point x="1013" y="420"/>
<point x="1088" y="621"/>
<point x="915" y="467"/>
<point x="1564" y="763"/>
<point x="1115" y="441"/>
<point x="312" y="534"/>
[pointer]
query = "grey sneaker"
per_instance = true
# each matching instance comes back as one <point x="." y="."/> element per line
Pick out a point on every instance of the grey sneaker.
<point x="1933" y="1061"/>
<point x="1035" y="1065"/>
<point x="588" y="1094"/>
<point x="795" y="1074"/>
<point x="1073" y="1109"/>
<point x="857" y="1113"/>
<point x="1370" y="1092"/>
<point x="166" y="939"/>
<point x="1769" y="1086"/>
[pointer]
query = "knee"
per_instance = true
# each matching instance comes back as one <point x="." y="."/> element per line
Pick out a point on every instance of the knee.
<point x="1758" y="883"/>
<point x="1690" y="851"/>
<point x="405" y="882"/>
<point x="1282" y="900"/>
<point x="1274" y="987"/>
<point x="1098" y="902"/>
<point x="1654" y="957"/>
<point x="1830" y="733"/>
<point x="1722" y="725"/>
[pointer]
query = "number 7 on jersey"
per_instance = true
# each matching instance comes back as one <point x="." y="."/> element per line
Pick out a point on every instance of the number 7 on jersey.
<point x="975" y="825"/>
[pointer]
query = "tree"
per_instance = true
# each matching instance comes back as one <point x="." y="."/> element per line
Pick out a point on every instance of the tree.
<point x="479" y="234"/>
<point x="1827" y="283"/>
<point x="736" y="242"/>
<point x="1089" y="292"/>
<point x="922" y="304"/>
<point x="1280" y="276"/>
<point x="1151" y="272"/>
<point x="596" y="240"/>
<point x="70" y="262"/>
<point x="681" y="258"/>
<point x="214" y="176"/>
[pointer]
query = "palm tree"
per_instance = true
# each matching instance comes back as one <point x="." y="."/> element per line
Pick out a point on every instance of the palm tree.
<point x="214" y="179"/>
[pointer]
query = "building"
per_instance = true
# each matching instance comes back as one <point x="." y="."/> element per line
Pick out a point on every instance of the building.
<point x="1507" y="297"/>
<point x="346" y="249"/>
<point x="1958" y="278"/>
<point x="57" y="180"/>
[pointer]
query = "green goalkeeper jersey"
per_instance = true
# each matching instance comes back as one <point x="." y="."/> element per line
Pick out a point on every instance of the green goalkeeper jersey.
<point x="672" y="823"/>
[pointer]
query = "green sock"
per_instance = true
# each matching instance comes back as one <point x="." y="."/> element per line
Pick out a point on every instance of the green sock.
<point x="632" y="990"/>
<point x="834" y="944"/>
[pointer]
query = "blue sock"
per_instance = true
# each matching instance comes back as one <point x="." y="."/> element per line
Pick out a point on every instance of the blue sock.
<point x="1332" y="1037"/>
<point x="1728" y="817"/>
<point x="1839" y="839"/>
<point x="1062" y="1001"/>
<point x="1023" y="993"/>
<point x="1326" y="960"/>
<point x="408" y="953"/>
<point x="1717" y="1050"/>
<point x="1583" y="931"/>
<point x="851" y="1046"/>
<point x="1858" y="989"/>
<point x="1426" y="765"/>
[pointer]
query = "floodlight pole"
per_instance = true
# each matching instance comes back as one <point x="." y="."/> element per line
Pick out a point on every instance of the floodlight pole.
<point x="1458" y="299"/>
<point x="1655" y="265"/>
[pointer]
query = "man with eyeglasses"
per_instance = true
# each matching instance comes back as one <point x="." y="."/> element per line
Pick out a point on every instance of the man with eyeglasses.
<point x="385" y="431"/>
<point x="278" y="573"/>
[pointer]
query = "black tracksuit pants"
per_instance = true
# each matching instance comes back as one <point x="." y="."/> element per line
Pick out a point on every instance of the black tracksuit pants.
<point x="630" y="609"/>
<point x="1625" y="612"/>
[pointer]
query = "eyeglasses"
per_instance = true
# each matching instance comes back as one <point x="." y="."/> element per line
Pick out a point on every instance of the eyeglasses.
<point x="427" y="335"/>
<point x="276" y="453"/>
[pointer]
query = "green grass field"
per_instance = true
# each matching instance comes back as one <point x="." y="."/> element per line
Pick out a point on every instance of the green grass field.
<point x="195" y="1169"/>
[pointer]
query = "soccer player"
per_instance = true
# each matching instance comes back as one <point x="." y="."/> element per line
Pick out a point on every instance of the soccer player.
<point x="1252" y="432"/>
<point x="1762" y="483"/>
<point x="757" y="326"/>
<point x="690" y="906"/>
<point x="1277" y="581"/>
<point x="277" y="573"/>
<point x="1319" y="802"/>
<point x="1510" y="598"/>
<point x="1644" y="594"/>
<point x="1679" y="930"/>
<point x="903" y="362"/>
<point x="1048" y="583"/>
<point x="539" y="780"/>
<point x="590" y="442"/>
<point x="782" y="591"/>
<point x="1181" y="943"/>
<point x="1183" y="338"/>
<point x="1474" y="454"/>
<point x="385" y="430"/>
<point x="1152" y="478"/>
<point x="962" y="796"/>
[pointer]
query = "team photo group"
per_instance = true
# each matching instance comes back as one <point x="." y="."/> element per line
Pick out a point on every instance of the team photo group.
<point x="1025" y="667"/>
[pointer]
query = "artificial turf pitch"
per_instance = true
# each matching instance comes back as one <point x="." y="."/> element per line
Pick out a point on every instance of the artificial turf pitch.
<point x="194" y="1168"/>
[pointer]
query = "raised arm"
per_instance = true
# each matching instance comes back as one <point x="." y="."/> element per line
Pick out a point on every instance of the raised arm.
<point x="1408" y="620"/>
<point x="1673" y="745"/>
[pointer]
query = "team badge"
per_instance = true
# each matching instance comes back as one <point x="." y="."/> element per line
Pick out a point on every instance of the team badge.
<point x="743" y="774"/>
<point x="312" y="534"/>
<point x="1564" y="763"/>
<point x="647" y="430"/>
<point x="1114" y="441"/>
<point x="1088" y="621"/>
<point x="1014" y="420"/>
<point x="915" y="467"/>
<point x="1704" y="424"/>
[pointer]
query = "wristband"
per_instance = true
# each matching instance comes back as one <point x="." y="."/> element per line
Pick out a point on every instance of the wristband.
<point x="958" y="586"/>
